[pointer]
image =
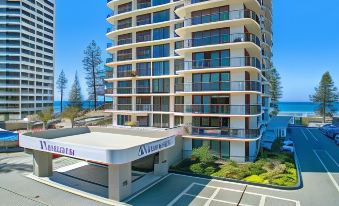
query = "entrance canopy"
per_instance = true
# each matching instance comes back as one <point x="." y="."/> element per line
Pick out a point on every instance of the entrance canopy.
<point x="105" y="145"/>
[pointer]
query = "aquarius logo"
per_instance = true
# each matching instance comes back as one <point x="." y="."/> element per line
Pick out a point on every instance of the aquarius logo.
<point x="142" y="151"/>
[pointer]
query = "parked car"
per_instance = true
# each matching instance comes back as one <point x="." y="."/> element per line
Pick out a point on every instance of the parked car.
<point x="332" y="132"/>
<point x="326" y="129"/>
<point x="287" y="146"/>
<point x="336" y="139"/>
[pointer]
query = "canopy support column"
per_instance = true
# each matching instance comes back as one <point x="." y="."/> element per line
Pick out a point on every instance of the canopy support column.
<point x="161" y="166"/>
<point x="119" y="181"/>
<point x="42" y="164"/>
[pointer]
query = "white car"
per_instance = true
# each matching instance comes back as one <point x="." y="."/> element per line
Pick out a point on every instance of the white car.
<point x="336" y="139"/>
<point x="286" y="148"/>
<point x="288" y="143"/>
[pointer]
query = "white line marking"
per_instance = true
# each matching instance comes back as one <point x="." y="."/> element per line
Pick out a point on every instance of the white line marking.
<point x="71" y="167"/>
<point x="206" y="198"/>
<point x="304" y="134"/>
<point x="212" y="197"/>
<point x="316" y="139"/>
<point x="150" y="186"/>
<point x="328" y="154"/>
<point x="180" y="195"/>
<point x="328" y="173"/>
<point x="262" y="200"/>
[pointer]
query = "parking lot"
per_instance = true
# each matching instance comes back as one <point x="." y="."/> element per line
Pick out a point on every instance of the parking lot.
<point x="317" y="154"/>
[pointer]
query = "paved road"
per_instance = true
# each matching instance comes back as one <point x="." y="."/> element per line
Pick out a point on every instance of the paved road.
<point x="17" y="190"/>
<point x="318" y="157"/>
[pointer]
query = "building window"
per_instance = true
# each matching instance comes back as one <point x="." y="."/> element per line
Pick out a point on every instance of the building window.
<point x="124" y="87"/>
<point x="123" y="8"/>
<point x="144" y="52"/>
<point x="144" y="69"/>
<point x="161" y="85"/>
<point x="141" y="4"/>
<point x="215" y="36"/>
<point x="125" y="23"/>
<point x="160" y="2"/>
<point x="212" y="59"/>
<point x="143" y="86"/>
<point x="124" y="70"/>
<point x="162" y="50"/>
<point x="123" y="119"/>
<point x="210" y="15"/>
<point x="124" y="55"/>
<point x="161" y="16"/>
<point x="160" y="68"/>
<point x="124" y="103"/>
<point x="211" y="82"/>
<point x="125" y="39"/>
<point x="144" y="19"/>
<point x="142" y="36"/>
<point x="161" y="33"/>
<point x="161" y="103"/>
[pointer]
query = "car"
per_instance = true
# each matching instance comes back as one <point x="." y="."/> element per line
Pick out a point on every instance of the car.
<point x="336" y="139"/>
<point x="288" y="142"/>
<point x="326" y="130"/>
<point x="286" y="148"/>
<point x="332" y="132"/>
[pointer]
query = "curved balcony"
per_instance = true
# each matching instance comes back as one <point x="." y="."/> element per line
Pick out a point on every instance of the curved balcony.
<point x="224" y="63"/>
<point x="222" y="41"/>
<point x="219" y="109"/>
<point x="221" y="86"/>
<point x="196" y="5"/>
<point x="225" y="133"/>
<point x="222" y="16"/>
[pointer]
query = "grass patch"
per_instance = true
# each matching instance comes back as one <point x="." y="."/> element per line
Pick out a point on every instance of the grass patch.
<point x="271" y="168"/>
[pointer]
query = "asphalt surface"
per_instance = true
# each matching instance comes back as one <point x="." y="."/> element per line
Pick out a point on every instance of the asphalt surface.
<point x="318" y="158"/>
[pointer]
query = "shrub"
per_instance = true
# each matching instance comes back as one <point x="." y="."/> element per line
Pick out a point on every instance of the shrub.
<point x="203" y="154"/>
<point x="254" y="179"/>
<point x="197" y="168"/>
<point x="209" y="170"/>
<point x="131" y="124"/>
<point x="284" y="180"/>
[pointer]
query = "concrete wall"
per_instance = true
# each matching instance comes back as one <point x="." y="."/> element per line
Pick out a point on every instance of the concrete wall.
<point x="175" y="153"/>
<point x="237" y="151"/>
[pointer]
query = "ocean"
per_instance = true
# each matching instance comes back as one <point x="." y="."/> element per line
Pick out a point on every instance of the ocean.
<point x="285" y="107"/>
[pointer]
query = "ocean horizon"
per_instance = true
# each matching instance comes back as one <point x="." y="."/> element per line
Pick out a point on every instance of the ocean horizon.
<point x="284" y="107"/>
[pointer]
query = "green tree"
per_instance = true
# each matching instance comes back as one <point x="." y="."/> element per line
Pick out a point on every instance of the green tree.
<point x="70" y="113"/>
<point x="45" y="115"/>
<point x="91" y="63"/>
<point x="203" y="154"/>
<point x="75" y="97"/>
<point x="276" y="90"/>
<point x="325" y="94"/>
<point x="61" y="86"/>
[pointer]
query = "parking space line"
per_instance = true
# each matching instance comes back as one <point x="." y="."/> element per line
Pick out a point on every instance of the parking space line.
<point x="302" y="131"/>
<point x="328" y="173"/>
<point x="330" y="156"/>
<point x="180" y="195"/>
<point x="150" y="186"/>
<point x="206" y="198"/>
<point x="316" y="139"/>
<point x="212" y="197"/>
<point x="262" y="200"/>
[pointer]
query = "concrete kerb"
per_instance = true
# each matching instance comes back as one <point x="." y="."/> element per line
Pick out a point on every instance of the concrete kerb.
<point x="299" y="184"/>
<point x="96" y="198"/>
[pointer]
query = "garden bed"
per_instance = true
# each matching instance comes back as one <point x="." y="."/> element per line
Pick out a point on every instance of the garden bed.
<point x="270" y="168"/>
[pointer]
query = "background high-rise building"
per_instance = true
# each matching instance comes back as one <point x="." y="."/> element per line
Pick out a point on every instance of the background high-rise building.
<point x="27" y="57"/>
<point x="202" y="64"/>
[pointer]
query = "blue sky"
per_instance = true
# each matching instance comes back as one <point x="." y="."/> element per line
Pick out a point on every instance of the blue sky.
<point x="306" y="41"/>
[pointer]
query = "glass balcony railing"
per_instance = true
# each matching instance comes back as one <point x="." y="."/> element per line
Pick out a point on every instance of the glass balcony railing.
<point x="223" y="63"/>
<point x="144" y="5"/>
<point x="222" y="16"/>
<point x="219" y="109"/>
<point x="219" y="86"/>
<point x="225" y="133"/>
<point x="222" y="39"/>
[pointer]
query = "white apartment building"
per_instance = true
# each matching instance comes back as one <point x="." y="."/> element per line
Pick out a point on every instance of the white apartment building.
<point x="27" y="57"/>
<point x="198" y="64"/>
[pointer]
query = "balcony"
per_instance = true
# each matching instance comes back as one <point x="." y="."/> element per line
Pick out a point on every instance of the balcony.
<point x="225" y="133"/>
<point x="220" y="109"/>
<point x="222" y="16"/>
<point x="129" y="90"/>
<point x="222" y="39"/>
<point x="223" y="63"/>
<point x="219" y="86"/>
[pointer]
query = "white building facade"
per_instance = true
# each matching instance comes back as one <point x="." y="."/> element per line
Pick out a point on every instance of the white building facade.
<point x="27" y="57"/>
<point x="201" y="64"/>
